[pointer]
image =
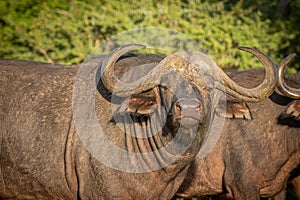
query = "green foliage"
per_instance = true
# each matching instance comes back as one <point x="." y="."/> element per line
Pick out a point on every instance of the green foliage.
<point x="66" y="31"/>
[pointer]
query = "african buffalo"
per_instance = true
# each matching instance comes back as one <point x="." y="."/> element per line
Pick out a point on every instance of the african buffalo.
<point x="48" y="146"/>
<point x="253" y="158"/>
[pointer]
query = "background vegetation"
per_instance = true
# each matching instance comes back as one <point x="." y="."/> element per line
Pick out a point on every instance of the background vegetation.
<point x="66" y="31"/>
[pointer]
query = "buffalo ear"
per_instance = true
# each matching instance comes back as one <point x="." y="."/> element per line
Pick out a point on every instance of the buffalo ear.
<point x="293" y="110"/>
<point x="291" y="115"/>
<point x="234" y="110"/>
<point x="142" y="104"/>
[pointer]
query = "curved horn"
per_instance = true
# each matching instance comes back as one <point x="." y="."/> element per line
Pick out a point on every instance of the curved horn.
<point x="260" y="92"/>
<point x="282" y="86"/>
<point x="256" y="94"/>
<point x="108" y="76"/>
<point x="119" y="88"/>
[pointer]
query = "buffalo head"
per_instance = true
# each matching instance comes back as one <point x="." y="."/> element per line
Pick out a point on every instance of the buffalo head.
<point x="179" y="93"/>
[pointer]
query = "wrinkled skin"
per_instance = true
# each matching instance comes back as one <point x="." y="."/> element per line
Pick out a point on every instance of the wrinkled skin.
<point x="253" y="158"/>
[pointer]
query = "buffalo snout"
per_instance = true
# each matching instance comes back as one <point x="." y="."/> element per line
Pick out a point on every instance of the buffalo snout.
<point x="189" y="111"/>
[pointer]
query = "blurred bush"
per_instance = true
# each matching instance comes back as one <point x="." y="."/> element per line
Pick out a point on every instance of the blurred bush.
<point x="66" y="31"/>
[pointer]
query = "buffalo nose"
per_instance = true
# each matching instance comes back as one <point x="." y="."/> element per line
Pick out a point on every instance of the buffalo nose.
<point x="189" y="111"/>
<point x="187" y="104"/>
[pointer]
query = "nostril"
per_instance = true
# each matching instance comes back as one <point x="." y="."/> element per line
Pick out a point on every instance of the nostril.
<point x="197" y="105"/>
<point x="177" y="106"/>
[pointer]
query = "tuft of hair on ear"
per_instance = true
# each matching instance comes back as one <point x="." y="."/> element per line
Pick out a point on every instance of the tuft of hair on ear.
<point x="143" y="103"/>
<point x="234" y="110"/>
